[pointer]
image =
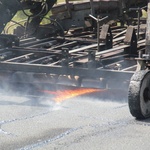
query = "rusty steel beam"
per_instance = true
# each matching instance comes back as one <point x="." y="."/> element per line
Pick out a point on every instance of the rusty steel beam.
<point x="148" y="33"/>
<point x="59" y="70"/>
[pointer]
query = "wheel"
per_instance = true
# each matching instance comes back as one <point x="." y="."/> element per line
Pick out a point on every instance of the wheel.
<point x="139" y="94"/>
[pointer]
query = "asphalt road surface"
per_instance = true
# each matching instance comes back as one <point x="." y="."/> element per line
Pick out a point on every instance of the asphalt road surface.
<point x="82" y="122"/>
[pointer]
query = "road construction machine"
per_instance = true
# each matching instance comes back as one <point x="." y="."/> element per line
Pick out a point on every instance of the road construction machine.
<point x="86" y="44"/>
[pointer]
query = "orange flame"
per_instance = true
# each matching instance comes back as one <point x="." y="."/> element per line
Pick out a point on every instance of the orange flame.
<point x="66" y="94"/>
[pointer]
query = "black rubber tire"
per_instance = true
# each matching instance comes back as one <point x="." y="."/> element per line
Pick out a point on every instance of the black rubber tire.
<point x="139" y="94"/>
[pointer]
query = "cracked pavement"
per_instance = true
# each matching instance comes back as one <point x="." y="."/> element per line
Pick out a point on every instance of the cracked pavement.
<point x="77" y="123"/>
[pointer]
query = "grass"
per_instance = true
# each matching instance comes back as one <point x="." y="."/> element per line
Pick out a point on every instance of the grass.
<point x="60" y="1"/>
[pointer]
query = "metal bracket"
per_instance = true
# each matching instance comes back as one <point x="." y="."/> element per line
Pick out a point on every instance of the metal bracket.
<point x="98" y="20"/>
<point x="106" y="37"/>
<point x="131" y="40"/>
<point x="65" y="57"/>
<point x="138" y="16"/>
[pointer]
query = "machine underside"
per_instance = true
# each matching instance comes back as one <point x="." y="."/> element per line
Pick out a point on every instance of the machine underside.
<point x="90" y="44"/>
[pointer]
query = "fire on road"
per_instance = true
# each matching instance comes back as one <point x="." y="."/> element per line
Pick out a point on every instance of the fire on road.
<point x="71" y="122"/>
